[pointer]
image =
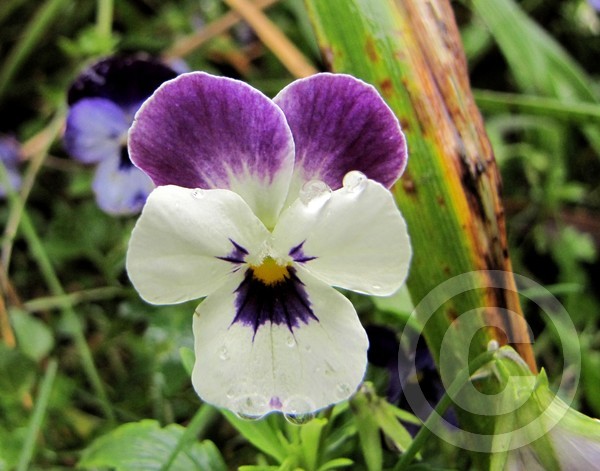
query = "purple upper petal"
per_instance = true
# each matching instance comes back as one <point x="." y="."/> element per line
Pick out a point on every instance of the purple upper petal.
<point x="213" y="132"/>
<point x="340" y="124"/>
<point x="125" y="80"/>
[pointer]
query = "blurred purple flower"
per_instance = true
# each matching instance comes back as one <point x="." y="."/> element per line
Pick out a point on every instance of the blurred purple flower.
<point x="385" y="351"/>
<point x="103" y="101"/>
<point x="595" y="4"/>
<point x="9" y="156"/>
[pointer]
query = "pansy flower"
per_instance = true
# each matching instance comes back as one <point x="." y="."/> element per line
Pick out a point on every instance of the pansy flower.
<point x="103" y="101"/>
<point x="262" y="207"/>
<point x="9" y="158"/>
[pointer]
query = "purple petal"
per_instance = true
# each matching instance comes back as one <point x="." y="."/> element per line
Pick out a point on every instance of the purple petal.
<point x="96" y="129"/>
<point x="124" y="80"/>
<point x="340" y="124"/>
<point x="121" y="189"/>
<point x="213" y="132"/>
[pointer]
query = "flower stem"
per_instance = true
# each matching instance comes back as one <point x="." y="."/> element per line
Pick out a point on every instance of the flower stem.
<point x="104" y="18"/>
<point x="37" y="417"/>
<point x="425" y="431"/>
<point x="34" y="30"/>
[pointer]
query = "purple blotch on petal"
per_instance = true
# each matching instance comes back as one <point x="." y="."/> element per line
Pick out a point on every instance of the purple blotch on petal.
<point x="298" y="255"/>
<point x="237" y="255"/>
<point x="124" y="80"/>
<point x="340" y="124"/>
<point x="284" y="303"/>
<point x="275" y="403"/>
<point x="198" y="130"/>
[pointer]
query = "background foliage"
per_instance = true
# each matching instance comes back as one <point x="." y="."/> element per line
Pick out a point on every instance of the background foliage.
<point x="84" y="355"/>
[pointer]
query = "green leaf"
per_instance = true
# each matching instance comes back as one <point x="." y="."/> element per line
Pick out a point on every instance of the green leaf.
<point x="34" y="337"/>
<point x="368" y="432"/>
<point x="391" y="426"/>
<point x="336" y="463"/>
<point x="310" y="434"/>
<point x="538" y="62"/>
<point x="145" y="446"/>
<point x="262" y="435"/>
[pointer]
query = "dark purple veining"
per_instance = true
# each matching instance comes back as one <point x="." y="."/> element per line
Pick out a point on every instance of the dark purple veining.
<point x="297" y="253"/>
<point x="285" y="302"/>
<point x="237" y="255"/>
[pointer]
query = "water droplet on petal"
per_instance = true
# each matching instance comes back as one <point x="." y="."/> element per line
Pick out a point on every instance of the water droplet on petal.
<point x="299" y="410"/>
<point x="376" y="287"/>
<point x="231" y="394"/>
<point x="299" y="419"/>
<point x="223" y="353"/>
<point x="291" y="341"/>
<point x="315" y="193"/>
<point x="355" y="181"/>
<point x="251" y="407"/>
<point x="342" y="390"/>
<point x="197" y="193"/>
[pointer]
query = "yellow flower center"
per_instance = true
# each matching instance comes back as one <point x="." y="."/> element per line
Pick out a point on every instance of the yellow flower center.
<point x="270" y="272"/>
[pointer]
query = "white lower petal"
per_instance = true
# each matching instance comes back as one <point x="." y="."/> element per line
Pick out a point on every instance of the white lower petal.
<point x="357" y="236"/>
<point x="319" y="363"/>
<point x="174" y="247"/>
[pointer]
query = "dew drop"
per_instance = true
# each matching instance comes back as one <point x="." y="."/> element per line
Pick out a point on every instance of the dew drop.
<point x="251" y="407"/>
<point x="299" y="410"/>
<point x="376" y="287"/>
<point x="197" y="193"/>
<point x="231" y="394"/>
<point x="248" y="417"/>
<point x="299" y="419"/>
<point x="315" y="193"/>
<point x="290" y="341"/>
<point x="354" y="181"/>
<point x="342" y="390"/>
<point x="223" y="353"/>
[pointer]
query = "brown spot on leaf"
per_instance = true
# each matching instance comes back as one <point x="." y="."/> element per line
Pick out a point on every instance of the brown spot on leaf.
<point x="409" y="185"/>
<point x="371" y="51"/>
<point x="387" y="88"/>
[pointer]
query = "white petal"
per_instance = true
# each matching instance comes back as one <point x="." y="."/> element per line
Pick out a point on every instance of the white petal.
<point x="172" y="254"/>
<point x="358" y="237"/>
<point x="319" y="363"/>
